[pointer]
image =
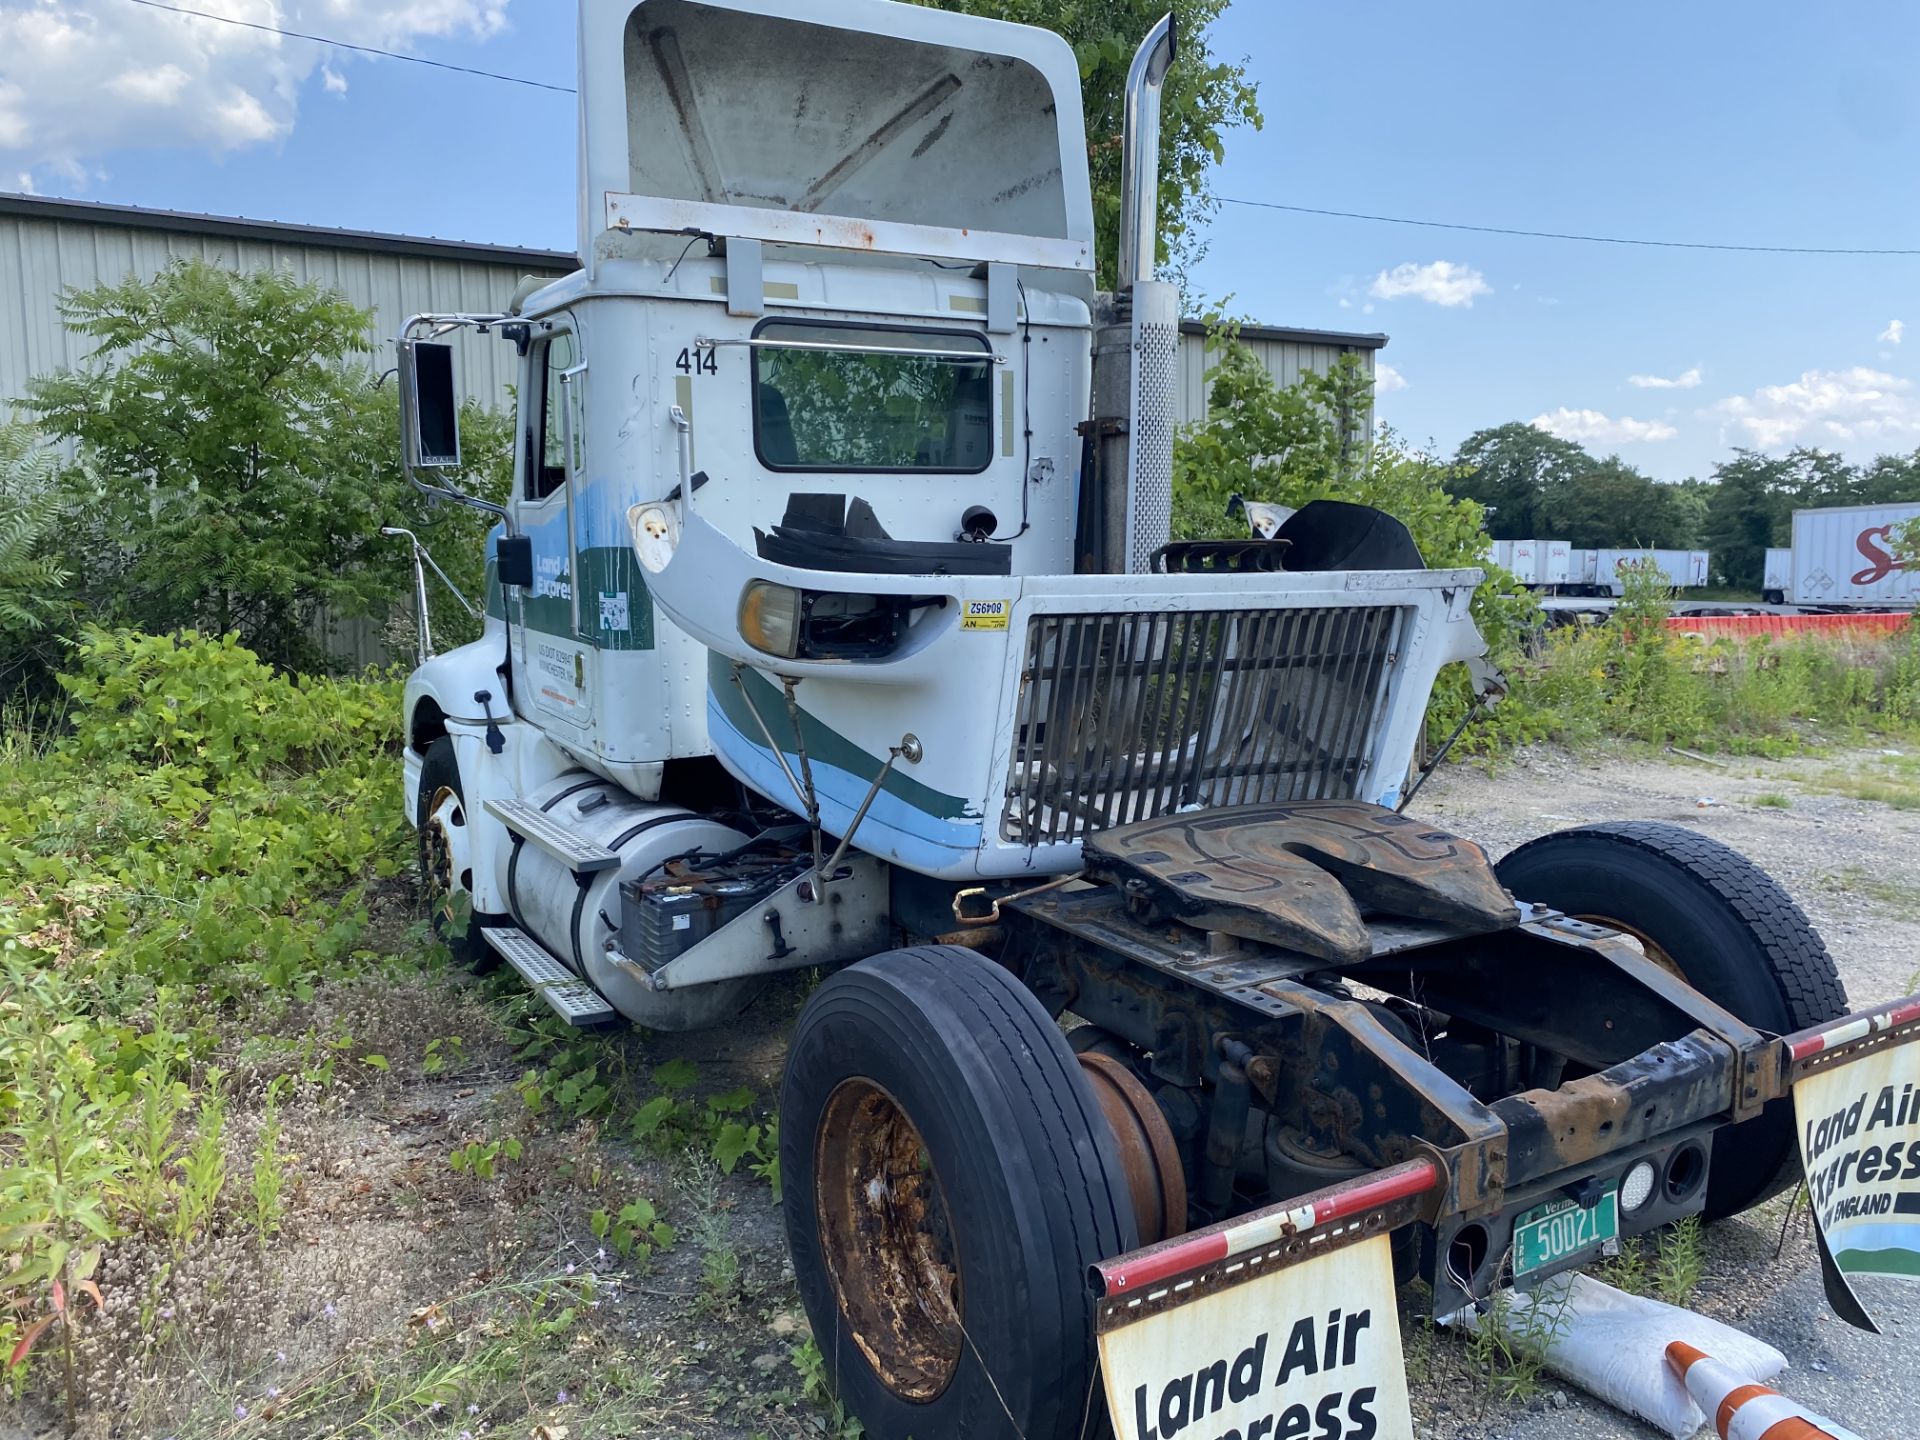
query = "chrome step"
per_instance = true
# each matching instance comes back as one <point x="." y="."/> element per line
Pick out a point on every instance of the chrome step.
<point x="572" y="999"/>
<point x="569" y="847"/>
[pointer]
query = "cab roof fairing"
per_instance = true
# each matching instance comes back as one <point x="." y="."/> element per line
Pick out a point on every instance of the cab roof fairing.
<point x="863" y="111"/>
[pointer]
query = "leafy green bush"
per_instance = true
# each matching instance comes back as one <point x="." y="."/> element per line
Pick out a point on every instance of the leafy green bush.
<point x="237" y="457"/>
<point x="209" y="706"/>
<point x="31" y="579"/>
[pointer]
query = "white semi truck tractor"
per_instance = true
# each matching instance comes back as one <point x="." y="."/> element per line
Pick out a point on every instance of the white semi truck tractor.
<point x="833" y="622"/>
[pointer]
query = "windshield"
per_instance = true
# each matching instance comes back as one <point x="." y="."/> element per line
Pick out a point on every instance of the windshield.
<point x="848" y="408"/>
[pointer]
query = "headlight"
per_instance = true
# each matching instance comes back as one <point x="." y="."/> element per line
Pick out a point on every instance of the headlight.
<point x="1637" y="1186"/>
<point x="770" y="618"/>
<point x="655" y="534"/>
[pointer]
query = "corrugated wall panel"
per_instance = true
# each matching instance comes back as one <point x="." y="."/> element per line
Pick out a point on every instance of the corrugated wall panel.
<point x="42" y="259"/>
<point x="1286" y="361"/>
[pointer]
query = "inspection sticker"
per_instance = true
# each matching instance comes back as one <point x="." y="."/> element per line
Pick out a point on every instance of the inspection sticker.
<point x="1309" y="1349"/>
<point x="985" y="614"/>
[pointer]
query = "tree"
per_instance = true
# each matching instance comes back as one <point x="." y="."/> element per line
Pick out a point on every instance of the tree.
<point x="236" y="459"/>
<point x="1753" y="502"/>
<point x="1203" y="98"/>
<point x="1611" y="504"/>
<point x="1519" y="473"/>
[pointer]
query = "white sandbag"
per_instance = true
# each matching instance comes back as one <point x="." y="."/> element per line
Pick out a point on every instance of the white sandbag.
<point x="1614" y="1345"/>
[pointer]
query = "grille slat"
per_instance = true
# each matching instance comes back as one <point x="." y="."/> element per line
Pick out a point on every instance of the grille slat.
<point x="1122" y="717"/>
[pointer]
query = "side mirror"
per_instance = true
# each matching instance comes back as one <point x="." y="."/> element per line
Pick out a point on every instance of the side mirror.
<point x="513" y="558"/>
<point x="432" y="406"/>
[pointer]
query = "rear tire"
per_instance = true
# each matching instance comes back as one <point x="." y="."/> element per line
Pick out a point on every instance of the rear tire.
<point x="948" y="1178"/>
<point x="446" y="886"/>
<point x="1728" y="929"/>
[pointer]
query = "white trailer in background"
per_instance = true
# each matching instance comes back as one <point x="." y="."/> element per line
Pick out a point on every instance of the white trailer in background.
<point x="1556" y="560"/>
<point x="1844" y="555"/>
<point x="1582" y="570"/>
<point x="1777" y="580"/>
<point x="1677" y="567"/>
<point x="1526" y="561"/>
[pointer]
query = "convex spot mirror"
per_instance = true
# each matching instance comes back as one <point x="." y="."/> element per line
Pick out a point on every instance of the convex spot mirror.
<point x="433" y="408"/>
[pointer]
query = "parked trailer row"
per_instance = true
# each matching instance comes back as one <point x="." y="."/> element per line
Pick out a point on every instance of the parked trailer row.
<point x="1556" y="566"/>
<point x="1844" y="555"/>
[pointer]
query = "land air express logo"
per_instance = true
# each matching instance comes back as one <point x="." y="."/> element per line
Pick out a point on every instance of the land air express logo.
<point x="1310" y="1352"/>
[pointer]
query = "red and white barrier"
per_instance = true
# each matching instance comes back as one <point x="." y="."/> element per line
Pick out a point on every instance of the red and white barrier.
<point x="1807" y="1044"/>
<point x="1739" y="1411"/>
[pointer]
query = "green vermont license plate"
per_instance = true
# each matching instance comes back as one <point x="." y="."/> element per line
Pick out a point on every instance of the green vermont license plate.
<point x="1548" y="1234"/>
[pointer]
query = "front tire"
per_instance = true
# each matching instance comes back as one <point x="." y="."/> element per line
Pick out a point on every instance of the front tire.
<point x="1725" y="927"/>
<point x="947" y="1180"/>
<point x="446" y="879"/>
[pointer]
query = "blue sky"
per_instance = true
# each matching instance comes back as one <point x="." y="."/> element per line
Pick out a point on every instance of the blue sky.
<point x="1765" y="123"/>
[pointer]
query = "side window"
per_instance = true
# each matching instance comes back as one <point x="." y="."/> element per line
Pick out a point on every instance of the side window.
<point x="547" y="471"/>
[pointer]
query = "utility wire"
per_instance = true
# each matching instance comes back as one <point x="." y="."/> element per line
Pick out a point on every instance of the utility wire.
<point x="348" y="45"/>
<point x="1564" y="235"/>
<point x="1224" y="199"/>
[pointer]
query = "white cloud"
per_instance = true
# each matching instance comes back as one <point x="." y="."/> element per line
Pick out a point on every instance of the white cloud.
<point x="1386" y="379"/>
<point x="25" y="183"/>
<point x="1826" y="406"/>
<point x="1590" y="427"/>
<point x="1895" y="329"/>
<point x="1441" y="283"/>
<point x="1686" y="380"/>
<point x="82" y="77"/>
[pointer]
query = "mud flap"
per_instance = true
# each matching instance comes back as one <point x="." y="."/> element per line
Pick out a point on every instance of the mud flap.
<point x="1856" y="1096"/>
<point x="1282" y="1322"/>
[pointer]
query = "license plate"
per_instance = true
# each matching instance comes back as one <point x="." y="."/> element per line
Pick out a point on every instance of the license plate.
<point x="1548" y="1234"/>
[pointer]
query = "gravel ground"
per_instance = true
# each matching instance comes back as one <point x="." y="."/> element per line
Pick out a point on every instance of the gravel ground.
<point x="1851" y="865"/>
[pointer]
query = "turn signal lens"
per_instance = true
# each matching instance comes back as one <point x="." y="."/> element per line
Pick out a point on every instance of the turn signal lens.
<point x="770" y="618"/>
<point x="1637" y="1186"/>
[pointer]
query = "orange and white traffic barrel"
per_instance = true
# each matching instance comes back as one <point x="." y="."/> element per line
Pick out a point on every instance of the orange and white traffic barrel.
<point x="1740" y="1411"/>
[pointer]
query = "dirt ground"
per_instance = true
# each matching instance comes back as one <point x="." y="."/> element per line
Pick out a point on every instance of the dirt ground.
<point x="402" y="1296"/>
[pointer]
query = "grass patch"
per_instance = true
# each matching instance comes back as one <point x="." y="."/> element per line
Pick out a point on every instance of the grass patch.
<point x="1900" y="896"/>
<point x="266" y="1167"/>
<point x="1634" y="678"/>
<point x="1773" y="800"/>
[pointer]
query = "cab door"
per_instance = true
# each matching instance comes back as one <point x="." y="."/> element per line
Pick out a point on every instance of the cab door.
<point x="553" y="652"/>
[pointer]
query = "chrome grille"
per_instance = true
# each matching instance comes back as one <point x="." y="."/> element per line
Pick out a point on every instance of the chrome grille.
<point x="1125" y="716"/>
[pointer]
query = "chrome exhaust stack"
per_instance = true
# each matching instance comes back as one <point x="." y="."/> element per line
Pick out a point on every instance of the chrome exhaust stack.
<point x="1140" y="174"/>
<point x="1128" y="509"/>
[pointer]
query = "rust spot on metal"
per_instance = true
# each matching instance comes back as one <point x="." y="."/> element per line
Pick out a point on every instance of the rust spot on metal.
<point x="887" y="1242"/>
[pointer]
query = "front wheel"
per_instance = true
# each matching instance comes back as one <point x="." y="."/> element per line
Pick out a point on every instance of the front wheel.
<point x="446" y="868"/>
<point x="1722" y="924"/>
<point x="948" y="1179"/>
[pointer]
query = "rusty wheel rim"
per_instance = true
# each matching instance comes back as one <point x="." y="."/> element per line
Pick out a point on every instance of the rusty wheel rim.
<point x="436" y="861"/>
<point x="1648" y="945"/>
<point x="886" y="1241"/>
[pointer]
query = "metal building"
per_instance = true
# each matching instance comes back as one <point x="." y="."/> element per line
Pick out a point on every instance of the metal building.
<point x="48" y="247"/>
<point x="1287" y="353"/>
